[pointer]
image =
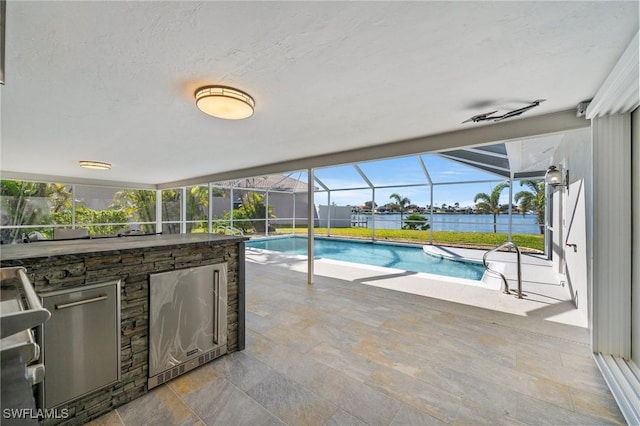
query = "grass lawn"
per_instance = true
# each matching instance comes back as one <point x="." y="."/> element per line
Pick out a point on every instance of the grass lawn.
<point x="446" y="238"/>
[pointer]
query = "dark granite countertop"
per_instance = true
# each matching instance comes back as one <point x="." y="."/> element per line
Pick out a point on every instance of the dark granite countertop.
<point x="44" y="249"/>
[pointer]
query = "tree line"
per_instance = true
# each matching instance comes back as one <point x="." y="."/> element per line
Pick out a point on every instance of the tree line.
<point x="35" y="206"/>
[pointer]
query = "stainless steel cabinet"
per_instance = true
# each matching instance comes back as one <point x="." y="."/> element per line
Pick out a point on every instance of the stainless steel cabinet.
<point x="187" y="320"/>
<point x="81" y="342"/>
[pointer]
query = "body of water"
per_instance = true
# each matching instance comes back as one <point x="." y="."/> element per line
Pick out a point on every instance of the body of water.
<point x="527" y="224"/>
<point x="405" y="257"/>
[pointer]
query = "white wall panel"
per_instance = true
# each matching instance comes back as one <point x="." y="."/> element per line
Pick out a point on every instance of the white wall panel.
<point x="635" y="250"/>
<point x="615" y="203"/>
<point x="611" y="235"/>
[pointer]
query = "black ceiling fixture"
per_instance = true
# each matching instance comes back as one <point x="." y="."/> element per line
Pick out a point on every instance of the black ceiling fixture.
<point x="489" y="115"/>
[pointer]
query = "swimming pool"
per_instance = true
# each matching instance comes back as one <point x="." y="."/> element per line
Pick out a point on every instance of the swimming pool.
<point x="405" y="257"/>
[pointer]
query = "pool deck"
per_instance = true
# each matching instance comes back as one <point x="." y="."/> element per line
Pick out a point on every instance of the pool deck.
<point x="544" y="296"/>
<point x="353" y="350"/>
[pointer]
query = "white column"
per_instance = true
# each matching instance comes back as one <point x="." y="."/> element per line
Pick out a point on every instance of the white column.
<point x="310" y="223"/>
<point x="611" y="235"/>
<point x="266" y="214"/>
<point x="73" y="206"/>
<point x="183" y="211"/>
<point x="210" y="213"/>
<point x="373" y="214"/>
<point x="294" y="213"/>
<point x="548" y="202"/>
<point x="510" y="233"/>
<point x="231" y="207"/>
<point x="158" y="211"/>
<point x="431" y="214"/>
<point x="328" y="213"/>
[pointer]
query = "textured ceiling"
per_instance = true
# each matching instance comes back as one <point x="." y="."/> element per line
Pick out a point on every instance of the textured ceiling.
<point x="114" y="81"/>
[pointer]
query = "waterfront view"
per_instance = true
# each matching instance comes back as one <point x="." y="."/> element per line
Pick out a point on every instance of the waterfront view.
<point x="527" y="224"/>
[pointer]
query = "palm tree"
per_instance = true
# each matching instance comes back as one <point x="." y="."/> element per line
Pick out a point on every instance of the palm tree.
<point x="533" y="199"/>
<point x="401" y="202"/>
<point x="490" y="204"/>
<point x="140" y="205"/>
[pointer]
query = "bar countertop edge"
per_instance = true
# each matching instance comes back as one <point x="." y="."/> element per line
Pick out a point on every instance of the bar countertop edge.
<point x="48" y="249"/>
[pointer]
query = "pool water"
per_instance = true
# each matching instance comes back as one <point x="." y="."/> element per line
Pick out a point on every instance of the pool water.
<point x="405" y="257"/>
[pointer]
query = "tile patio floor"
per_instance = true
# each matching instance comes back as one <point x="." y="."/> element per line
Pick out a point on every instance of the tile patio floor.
<point x="348" y="351"/>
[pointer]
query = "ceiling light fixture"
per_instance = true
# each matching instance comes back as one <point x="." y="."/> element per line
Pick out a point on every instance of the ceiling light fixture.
<point x="224" y="102"/>
<point x="97" y="165"/>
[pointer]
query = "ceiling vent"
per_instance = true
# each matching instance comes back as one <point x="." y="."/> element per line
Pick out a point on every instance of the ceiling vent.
<point x="513" y="113"/>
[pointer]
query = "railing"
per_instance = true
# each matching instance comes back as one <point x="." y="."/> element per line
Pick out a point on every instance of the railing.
<point x="501" y="275"/>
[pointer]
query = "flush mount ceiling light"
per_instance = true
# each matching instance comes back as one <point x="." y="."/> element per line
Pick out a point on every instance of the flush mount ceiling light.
<point x="97" y="165"/>
<point x="224" y="102"/>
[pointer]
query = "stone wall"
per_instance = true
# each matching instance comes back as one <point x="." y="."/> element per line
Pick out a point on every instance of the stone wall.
<point x="133" y="268"/>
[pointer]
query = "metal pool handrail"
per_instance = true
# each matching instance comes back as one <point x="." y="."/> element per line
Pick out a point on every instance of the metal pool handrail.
<point x="501" y="275"/>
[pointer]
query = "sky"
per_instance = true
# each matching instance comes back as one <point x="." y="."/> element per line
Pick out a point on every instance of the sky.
<point x="408" y="170"/>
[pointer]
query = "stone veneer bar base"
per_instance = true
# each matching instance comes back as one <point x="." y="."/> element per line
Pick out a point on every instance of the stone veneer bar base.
<point x="133" y="266"/>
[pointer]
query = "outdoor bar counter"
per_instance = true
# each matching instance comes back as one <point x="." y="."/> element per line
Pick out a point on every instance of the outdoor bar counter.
<point x="71" y="264"/>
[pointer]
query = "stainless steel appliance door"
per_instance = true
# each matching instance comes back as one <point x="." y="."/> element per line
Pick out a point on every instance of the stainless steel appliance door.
<point x="81" y="341"/>
<point x="184" y="320"/>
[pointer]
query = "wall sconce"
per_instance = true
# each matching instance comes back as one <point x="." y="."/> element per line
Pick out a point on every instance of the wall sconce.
<point x="554" y="178"/>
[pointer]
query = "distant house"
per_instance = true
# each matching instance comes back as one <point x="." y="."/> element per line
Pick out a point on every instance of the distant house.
<point x="286" y="195"/>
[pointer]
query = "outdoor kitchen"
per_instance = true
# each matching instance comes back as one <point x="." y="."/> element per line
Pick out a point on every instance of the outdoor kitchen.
<point x="101" y="347"/>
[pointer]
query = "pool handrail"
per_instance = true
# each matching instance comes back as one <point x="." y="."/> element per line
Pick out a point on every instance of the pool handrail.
<point x="505" y="290"/>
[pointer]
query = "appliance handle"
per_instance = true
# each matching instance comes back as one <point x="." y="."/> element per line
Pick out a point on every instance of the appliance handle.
<point x="13" y="322"/>
<point x="32" y="298"/>
<point x="81" y="302"/>
<point x="216" y="306"/>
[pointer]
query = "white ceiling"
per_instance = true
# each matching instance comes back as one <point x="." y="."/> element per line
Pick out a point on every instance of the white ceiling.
<point x="114" y="81"/>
